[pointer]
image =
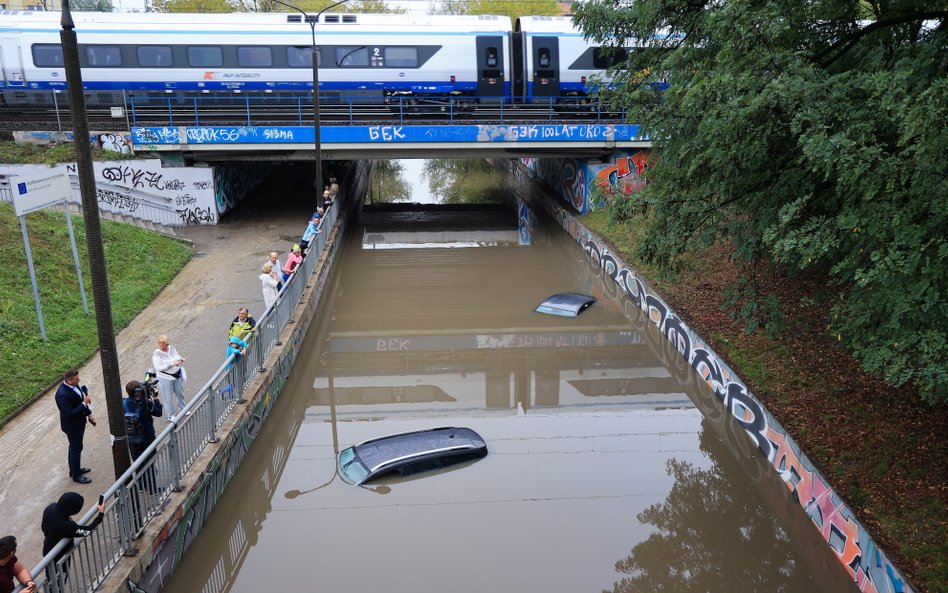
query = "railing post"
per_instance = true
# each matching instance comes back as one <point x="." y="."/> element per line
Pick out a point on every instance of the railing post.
<point x="197" y="111"/>
<point x="212" y="413"/>
<point x="174" y="455"/>
<point x="126" y="519"/>
<point x="131" y="104"/>
<point x="170" y="113"/>
<point x="59" y="124"/>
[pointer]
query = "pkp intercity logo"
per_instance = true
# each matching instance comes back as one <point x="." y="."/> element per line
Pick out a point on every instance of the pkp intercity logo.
<point x="21" y="188"/>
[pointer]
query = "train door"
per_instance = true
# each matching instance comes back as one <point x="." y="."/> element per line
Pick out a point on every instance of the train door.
<point x="11" y="63"/>
<point x="490" y="66"/>
<point x="545" y="56"/>
<point x="517" y="66"/>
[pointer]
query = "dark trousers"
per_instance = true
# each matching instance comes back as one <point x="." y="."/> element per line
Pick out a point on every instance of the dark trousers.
<point x="75" y="450"/>
<point x="148" y="477"/>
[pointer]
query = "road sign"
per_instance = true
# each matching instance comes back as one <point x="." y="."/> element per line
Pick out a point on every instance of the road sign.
<point x="39" y="190"/>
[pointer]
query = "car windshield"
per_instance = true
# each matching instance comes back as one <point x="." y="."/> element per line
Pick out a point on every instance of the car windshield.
<point x="351" y="467"/>
<point x="565" y="304"/>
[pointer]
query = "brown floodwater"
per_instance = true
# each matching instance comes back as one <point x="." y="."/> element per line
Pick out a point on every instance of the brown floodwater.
<point x="610" y="466"/>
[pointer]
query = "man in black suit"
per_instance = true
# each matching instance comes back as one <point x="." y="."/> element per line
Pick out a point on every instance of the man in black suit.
<point x="73" y="403"/>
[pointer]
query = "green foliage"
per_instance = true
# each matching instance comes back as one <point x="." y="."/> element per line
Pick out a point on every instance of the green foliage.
<point x="314" y="6"/>
<point x="810" y="140"/>
<point x="190" y="6"/>
<point x="464" y="181"/>
<point x="514" y="8"/>
<point x="448" y="7"/>
<point x="388" y="183"/>
<point x="91" y="5"/>
<point x="20" y="153"/>
<point x="511" y="8"/>
<point x="136" y="275"/>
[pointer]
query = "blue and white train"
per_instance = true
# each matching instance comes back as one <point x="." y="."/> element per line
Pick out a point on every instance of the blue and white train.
<point x="369" y="58"/>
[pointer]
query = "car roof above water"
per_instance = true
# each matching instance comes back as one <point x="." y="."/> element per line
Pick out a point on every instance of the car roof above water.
<point x="383" y="450"/>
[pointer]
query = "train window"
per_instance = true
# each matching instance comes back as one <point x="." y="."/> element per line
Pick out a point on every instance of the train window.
<point x="154" y="56"/>
<point x="543" y="57"/>
<point x="604" y="57"/>
<point x="254" y="57"/>
<point x="401" y="57"/>
<point x="103" y="56"/>
<point x="302" y="57"/>
<point x="491" y="57"/>
<point x="205" y="56"/>
<point x="48" y="55"/>
<point x="352" y="57"/>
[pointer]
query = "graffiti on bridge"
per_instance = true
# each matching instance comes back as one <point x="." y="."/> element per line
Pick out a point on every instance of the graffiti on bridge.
<point x="156" y="136"/>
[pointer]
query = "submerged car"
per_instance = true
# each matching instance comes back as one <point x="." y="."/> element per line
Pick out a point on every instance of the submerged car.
<point x="566" y="304"/>
<point x="410" y="452"/>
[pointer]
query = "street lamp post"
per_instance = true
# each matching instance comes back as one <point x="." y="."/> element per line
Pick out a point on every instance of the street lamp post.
<point x="108" y="352"/>
<point x="316" y="136"/>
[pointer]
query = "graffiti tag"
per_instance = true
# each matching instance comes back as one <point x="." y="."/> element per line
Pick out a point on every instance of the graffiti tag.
<point x="386" y="133"/>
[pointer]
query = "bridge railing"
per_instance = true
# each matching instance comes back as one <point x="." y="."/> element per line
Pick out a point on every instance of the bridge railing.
<point x="257" y="110"/>
<point x="142" y="492"/>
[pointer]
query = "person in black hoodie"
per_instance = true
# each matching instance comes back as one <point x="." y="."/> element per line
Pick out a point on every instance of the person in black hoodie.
<point x="58" y="524"/>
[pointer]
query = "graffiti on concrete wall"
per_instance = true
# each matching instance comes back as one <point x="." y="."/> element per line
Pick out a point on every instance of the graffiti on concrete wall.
<point x="235" y="182"/>
<point x="854" y="547"/>
<point x="112" y="142"/>
<point x="167" y="195"/>
<point x="119" y="142"/>
<point x="144" y="189"/>
<point x="574" y="179"/>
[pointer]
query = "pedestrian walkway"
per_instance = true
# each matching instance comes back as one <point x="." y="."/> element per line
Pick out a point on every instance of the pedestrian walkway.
<point x="195" y="311"/>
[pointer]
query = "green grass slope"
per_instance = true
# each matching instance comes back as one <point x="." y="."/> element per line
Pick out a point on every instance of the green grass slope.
<point x="140" y="263"/>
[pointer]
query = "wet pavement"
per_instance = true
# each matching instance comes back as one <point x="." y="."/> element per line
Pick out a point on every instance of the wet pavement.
<point x="195" y="311"/>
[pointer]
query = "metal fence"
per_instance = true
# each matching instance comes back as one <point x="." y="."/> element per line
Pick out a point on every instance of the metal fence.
<point x="144" y="490"/>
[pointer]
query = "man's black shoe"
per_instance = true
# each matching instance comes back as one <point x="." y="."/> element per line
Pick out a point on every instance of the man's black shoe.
<point x="84" y="470"/>
<point x="81" y="480"/>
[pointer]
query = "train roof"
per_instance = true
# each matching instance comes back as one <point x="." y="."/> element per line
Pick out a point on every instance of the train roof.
<point x="30" y="19"/>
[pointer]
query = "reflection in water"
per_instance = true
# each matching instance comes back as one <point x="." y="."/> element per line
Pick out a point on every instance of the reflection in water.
<point x="581" y="417"/>
<point x="751" y="551"/>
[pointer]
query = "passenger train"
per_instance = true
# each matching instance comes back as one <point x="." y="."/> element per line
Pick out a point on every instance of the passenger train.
<point x="369" y="58"/>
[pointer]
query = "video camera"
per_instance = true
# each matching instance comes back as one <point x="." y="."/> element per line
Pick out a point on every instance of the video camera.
<point x="148" y="390"/>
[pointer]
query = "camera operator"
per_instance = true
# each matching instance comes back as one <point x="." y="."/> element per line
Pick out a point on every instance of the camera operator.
<point x="141" y="407"/>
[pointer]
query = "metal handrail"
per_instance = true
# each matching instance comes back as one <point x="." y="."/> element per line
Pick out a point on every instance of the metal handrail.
<point x="143" y="490"/>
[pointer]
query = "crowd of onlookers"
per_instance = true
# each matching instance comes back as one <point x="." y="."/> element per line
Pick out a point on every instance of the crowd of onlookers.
<point x="143" y="403"/>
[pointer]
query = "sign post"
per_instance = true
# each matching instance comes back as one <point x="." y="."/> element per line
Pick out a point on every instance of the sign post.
<point x="35" y="192"/>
